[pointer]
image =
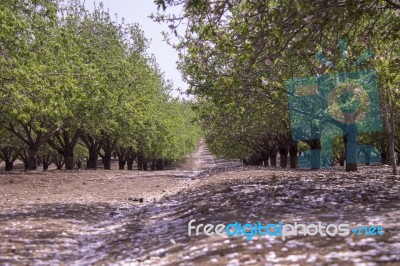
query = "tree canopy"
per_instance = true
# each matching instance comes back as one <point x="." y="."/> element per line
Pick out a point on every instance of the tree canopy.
<point x="73" y="78"/>
<point x="237" y="56"/>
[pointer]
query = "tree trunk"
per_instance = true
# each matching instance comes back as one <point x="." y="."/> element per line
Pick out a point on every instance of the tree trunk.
<point x="34" y="139"/>
<point x="140" y="162"/>
<point x="9" y="166"/>
<point x="69" y="162"/>
<point x="32" y="158"/>
<point x="392" y="133"/>
<point x="69" y="157"/>
<point x="9" y="155"/>
<point x="92" y="161"/>
<point x="283" y="156"/>
<point x="160" y="164"/>
<point x="315" y="147"/>
<point x="65" y="145"/>
<point x="368" y="158"/>
<point x="389" y="120"/>
<point x="153" y="165"/>
<point x="130" y="158"/>
<point x="79" y="165"/>
<point x="24" y="158"/>
<point x="121" y="164"/>
<point x="94" y="147"/>
<point x="107" y="161"/>
<point x="23" y="155"/>
<point x="315" y="153"/>
<point x="108" y="146"/>
<point x="350" y="139"/>
<point x="293" y="149"/>
<point x="265" y="159"/>
<point x="366" y="151"/>
<point x="342" y="156"/>
<point x="384" y="157"/>
<point x="392" y="153"/>
<point x="121" y="153"/>
<point x="58" y="160"/>
<point x="129" y="163"/>
<point x="46" y="161"/>
<point x="254" y="159"/>
<point x="272" y="156"/>
<point x="316" y="159"/>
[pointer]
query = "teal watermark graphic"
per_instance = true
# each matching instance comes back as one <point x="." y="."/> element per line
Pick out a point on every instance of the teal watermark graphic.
<point x="331" y="105"/>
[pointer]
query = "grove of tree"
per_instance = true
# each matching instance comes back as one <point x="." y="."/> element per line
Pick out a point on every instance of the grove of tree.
<point x="77" y="85"/>
<point x="237" y="56"/>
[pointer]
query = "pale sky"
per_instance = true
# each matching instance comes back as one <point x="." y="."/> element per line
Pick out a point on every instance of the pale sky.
<point x="139" y="11"/>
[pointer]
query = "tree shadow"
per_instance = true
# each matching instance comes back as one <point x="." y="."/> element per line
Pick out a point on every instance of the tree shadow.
<point x="103" y="233"/>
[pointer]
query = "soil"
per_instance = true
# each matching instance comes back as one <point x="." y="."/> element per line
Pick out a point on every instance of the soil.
<point x="130" y="217"/>
<point x="19" y="188"/>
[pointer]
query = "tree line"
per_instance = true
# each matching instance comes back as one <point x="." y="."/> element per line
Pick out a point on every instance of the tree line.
<point x="77" y="85"/>
<point x="237" y="56"/>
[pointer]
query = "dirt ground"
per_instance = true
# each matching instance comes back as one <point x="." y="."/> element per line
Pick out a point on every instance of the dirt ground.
<point x="122" y="187"/>
<point x="20" y="188"/>
<point x="97" y="217"/>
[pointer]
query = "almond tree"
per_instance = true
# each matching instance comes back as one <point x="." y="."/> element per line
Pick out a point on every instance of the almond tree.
<point x="228" y="46"/>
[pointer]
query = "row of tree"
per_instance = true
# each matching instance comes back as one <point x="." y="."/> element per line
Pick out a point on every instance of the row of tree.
<point x="77" y="85"/>
<point x="238" y="56"/>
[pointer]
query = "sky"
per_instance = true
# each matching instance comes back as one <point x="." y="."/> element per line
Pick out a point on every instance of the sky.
<point x="139" y="11"/>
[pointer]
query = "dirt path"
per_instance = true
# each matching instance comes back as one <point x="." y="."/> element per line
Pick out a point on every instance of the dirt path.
<point x="200" y="159"/>
<point x="50" y="216"/>
<point x="22" y="188"/>
<point x="95" y="217"/>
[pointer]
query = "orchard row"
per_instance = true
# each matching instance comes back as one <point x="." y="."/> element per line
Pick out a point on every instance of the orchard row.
<point x="77" y="85"/>
<point x="240" y="56"/>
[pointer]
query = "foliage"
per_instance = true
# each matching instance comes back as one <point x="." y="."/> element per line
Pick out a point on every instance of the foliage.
<point x="70" y="77"/>
<point x="237" y="56"/>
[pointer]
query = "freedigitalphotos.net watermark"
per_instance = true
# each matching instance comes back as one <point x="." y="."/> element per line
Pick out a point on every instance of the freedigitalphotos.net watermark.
<point x="335" y="104"/>
<point x="281" y="229"/>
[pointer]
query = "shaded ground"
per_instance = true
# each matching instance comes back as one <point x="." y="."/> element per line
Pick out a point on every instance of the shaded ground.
<point x="89" y="217"/>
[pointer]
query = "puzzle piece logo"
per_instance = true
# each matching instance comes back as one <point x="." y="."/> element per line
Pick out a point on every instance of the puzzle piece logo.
<point x="338" y="104"/>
